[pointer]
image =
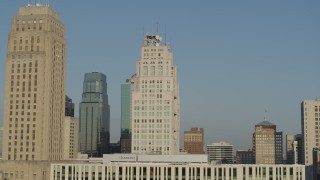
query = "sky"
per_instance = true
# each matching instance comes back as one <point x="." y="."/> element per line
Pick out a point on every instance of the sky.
<point x="235" y="59"/>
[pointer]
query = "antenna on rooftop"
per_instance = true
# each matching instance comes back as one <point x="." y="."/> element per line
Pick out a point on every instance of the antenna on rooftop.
<point x="165" y="34"/>
<point x="157" y="28"/>
<point x="265" y="114"/>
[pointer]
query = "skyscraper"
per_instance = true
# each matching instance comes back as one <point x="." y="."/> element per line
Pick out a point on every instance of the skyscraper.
<point x="125" y="139"/>
<point x="94" y="117"/>
<point x="310" y="128"/>
<point x="35" y="86"/>
<point x="267" y="144"/>
<point x="194" y="141"/>
<point x="155" y="110"/>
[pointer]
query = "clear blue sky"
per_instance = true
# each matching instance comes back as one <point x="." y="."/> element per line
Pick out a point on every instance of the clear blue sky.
<point x="235" y="58"/>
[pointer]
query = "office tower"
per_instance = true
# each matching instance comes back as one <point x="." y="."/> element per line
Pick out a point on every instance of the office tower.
<point x="194" y="141"/>
<point x="69" y="107"/>
<point x="70" y="138"/>
<point x="244" y="156"/>
<point x="316" y="162"/>
<point x="310" y="128"/>
<point x="35" y="86"/>
<point x="220" y="152"/>
<point x="125" y="138"/>
<point x="94" y="116"/>
<point x="155" y="110"/>
<point x="267" y="144"/>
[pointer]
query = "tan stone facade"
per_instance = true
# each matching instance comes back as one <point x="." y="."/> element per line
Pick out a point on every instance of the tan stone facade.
<point x="194" y="141"/>
<point x="70" y="140"/>
<point x="25" y="170"/>
<point x="35" y="86"/>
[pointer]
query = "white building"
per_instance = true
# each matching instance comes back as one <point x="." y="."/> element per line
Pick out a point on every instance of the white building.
<point x="220" y="151"/>
<point x="162" y="167"/>
<point x="155" y="110"/>
<point x="310" y="124"/>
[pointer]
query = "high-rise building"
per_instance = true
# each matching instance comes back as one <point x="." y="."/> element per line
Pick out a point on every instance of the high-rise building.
<point x="70" y="140"/>
<point x="194" y="141"/>
<point x="94" y="116"/>
<point x="310" y="125"/>
<point x="155" y="109"/>
<point x="267" y="144"/>
<point x="125" y="138"/>
<point x="221" y="152"/>
<point x="35" y="86"/>
<point x="69" y="107"/>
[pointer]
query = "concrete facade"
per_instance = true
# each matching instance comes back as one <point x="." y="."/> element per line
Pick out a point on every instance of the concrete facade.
<point x="35" y="86"/>
<point x="310" y="128"/>
<point x="70" y="140"/>
<point x="166" y="171"/>
<point x="155" y="110"/>
<point x="24" y="170"/>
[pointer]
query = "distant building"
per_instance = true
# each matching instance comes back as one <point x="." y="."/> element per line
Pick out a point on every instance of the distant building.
<point x="298" y="149"/>
<point x="194" y="141"/>
<point x="290" y="149"/>
<point x="316" y="163"/>
<point x="267" y="144"/>
<point x="94" y="117"/>
<point x="115" y="148"/>
<point x="244" y="157"/>
<point x="294" y="149"/>
<point x="70" y="140"/>
<point x="221" y="152"/>
<point x="125" y="138"/>
<point x="69" y="107"/>
<point x="310" y="125"/>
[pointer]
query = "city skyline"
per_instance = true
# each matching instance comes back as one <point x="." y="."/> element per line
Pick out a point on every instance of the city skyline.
<point x="279" y="85"/>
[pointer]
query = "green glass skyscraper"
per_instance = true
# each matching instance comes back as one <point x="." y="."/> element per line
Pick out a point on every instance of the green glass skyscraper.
<point x="125" y="139"/>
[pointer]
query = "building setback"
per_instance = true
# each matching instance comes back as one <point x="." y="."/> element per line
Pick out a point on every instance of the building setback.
<point x="35" y="86"/>
<point x="94" y="116"/>
<point x="194" y="141"/>
<point x="155" y="102"/>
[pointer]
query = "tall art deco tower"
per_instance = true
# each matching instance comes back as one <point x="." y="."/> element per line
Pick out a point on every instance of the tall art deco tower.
<point x="155" y="104"/>
<point x="35" y="86"/>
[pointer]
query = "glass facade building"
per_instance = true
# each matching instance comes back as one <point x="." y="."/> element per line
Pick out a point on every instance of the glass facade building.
<point x="94" y="116"/>
<point x="125" y="139"/>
